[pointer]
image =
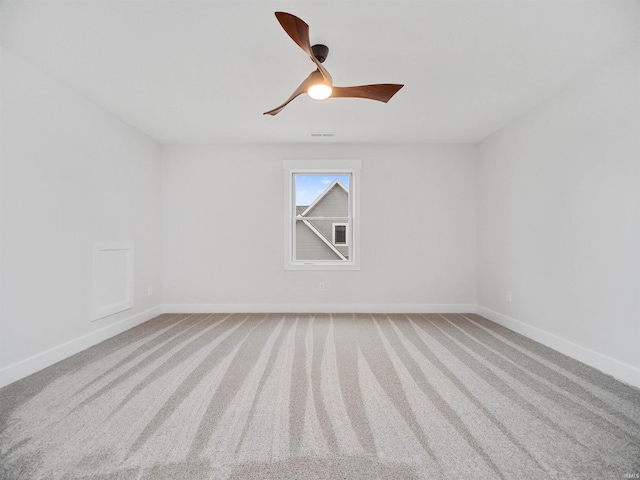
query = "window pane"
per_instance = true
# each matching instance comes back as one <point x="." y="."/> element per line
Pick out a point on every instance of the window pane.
<point x="310" y="187"/>
<point x="321" y="201"/>
<point x="312" y="243"/>
<point x="340" y="234"/>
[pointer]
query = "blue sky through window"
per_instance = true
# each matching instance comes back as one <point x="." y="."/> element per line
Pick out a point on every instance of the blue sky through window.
<point x="309" y="187"/>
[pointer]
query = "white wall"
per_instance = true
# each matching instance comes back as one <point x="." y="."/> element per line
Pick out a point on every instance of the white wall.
<point x="559" y="221"/>
<point x="71" y="174"/>
<point x="223" y="230"/>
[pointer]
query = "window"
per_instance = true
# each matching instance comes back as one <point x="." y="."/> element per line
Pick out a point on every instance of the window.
<point x="321" y="214"/>
<point x="340" y="234"/>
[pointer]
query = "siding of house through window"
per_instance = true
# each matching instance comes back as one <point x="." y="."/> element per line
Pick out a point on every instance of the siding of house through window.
<point x="310" y="247"/>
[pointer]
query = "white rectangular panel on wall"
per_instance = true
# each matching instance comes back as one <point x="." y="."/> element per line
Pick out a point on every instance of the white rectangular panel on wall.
<point x="112" y="278"/>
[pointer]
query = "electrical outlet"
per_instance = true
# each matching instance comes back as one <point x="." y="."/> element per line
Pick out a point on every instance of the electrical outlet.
<point x="149" y="291"/>
<point x="509" y="297"/>
<point x="321" y="287"/>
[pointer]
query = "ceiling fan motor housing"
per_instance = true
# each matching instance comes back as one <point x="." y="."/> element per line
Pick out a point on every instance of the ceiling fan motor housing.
<point x="321" y="52"/>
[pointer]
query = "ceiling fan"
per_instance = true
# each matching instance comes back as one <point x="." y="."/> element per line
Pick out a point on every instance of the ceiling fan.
<point x="318" y="84"/>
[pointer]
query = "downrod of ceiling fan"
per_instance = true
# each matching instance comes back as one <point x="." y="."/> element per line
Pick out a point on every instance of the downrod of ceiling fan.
<point x="321" y="52"/>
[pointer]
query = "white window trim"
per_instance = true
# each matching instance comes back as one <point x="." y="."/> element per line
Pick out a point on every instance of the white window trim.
<point x="333" y="234"/>
<point x="291" y="167"/>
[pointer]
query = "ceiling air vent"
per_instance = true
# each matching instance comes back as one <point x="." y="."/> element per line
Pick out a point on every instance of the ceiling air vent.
<point x="322" y="134"/>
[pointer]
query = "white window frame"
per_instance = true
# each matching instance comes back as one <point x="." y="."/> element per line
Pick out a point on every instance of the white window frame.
<point x="328" y="167"/>
<point x="333" y="234"/>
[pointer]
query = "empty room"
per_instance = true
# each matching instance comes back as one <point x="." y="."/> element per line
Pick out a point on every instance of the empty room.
<point x="319" y="239"/>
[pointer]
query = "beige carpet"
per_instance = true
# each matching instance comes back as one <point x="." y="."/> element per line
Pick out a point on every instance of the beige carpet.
<point x="286" y="396"/>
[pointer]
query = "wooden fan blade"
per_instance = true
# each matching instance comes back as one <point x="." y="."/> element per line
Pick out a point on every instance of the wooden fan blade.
<point x="380" y="91"/>
<point x="312" y="79"/>
<point x="298" y="30"/>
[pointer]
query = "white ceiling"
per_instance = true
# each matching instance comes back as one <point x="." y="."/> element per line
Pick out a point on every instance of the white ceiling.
<point x="204" y="71"/>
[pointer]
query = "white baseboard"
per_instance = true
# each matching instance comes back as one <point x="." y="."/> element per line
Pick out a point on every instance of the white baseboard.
<point x="23" y="368"/>
<point x="320" y="308"/>
<point x="617" y="369"/>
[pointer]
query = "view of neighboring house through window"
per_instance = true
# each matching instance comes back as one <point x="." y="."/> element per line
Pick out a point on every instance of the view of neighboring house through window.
<point x="322" y="217"/>
<point x="321" y="214"/>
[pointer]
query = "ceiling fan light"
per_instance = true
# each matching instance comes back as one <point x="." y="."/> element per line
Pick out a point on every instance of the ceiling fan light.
<point x="319" y="91"/>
